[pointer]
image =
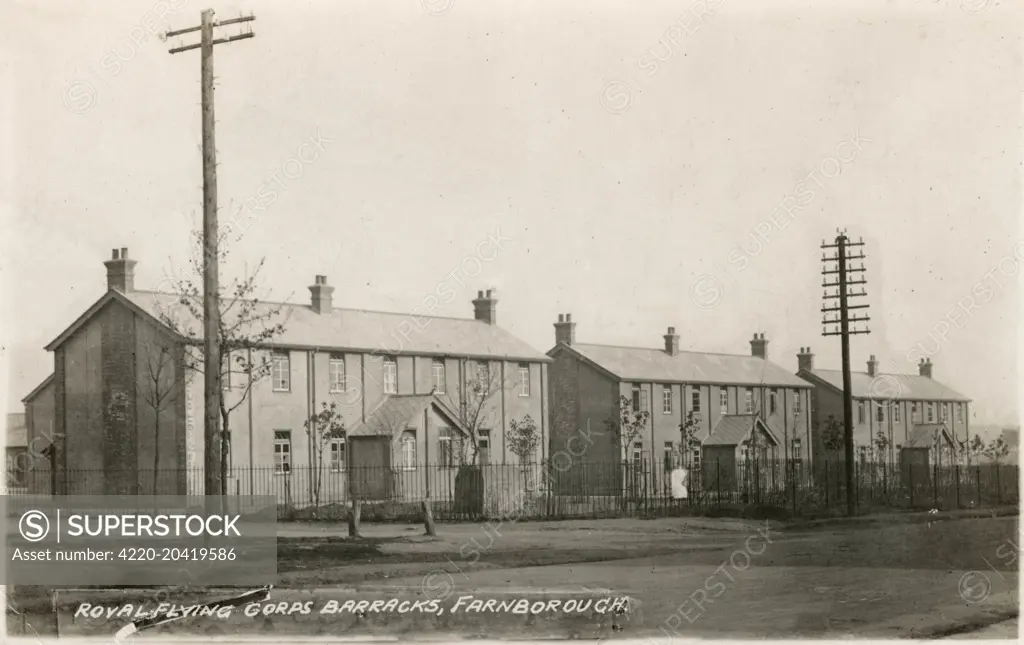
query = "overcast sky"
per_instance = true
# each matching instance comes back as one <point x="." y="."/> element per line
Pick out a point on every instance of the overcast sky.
<point x="645" y="165"/>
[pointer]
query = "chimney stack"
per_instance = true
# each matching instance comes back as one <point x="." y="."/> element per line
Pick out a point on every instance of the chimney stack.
<point x="565" y="330"/>
<point x="120" y="271"/>
<point x="485" y="307"/>
<point x="805" y="360"/>
<point x="872" y="366"/>
<point x="924" y="368"/>
<point x="320" y="295"/>
<point x="759" y="347"/>
<point x="672" y="342"/>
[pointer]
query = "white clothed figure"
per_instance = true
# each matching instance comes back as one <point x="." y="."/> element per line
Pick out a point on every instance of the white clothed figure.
<point x="679" y="483"/>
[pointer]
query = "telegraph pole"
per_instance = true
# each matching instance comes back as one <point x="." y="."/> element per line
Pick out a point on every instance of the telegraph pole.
<point x="842" y="257"/>
<point x="212" y="481"/>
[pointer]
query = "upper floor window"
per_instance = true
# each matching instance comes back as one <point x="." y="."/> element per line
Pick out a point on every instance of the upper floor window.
<point x="695" y="400"/>
<point x="723" y="400"/>
<point x="880" y="413"/>
<point x="638" y="452"/>
<point x="438" y="376"/>
<point x="524" y="379"/>
<point x="390" y="375"/>
<point x="644" y="404"/>
<point x="666" y="399"/>
<point x="959" y="411"/>
<point x="748" y="400"/>
<point x="930" y="412"/>
<point x="281" y="371"/>
<point x="896" y="412"/>
<point x="942" y="411"/>
<point x="860" y="412"/>
<point x="797" y="398"/>
<point x="773" y="400"/>
<point x="337" y="373"/>
<point x="636" y="398"/>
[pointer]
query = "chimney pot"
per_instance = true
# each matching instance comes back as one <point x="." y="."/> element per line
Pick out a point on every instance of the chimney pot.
<point x="671" y="330"/>
<point x="568" y="317"/>
<point x="561" y="317"/>
<point x="120" y="271"/>
<point x="488" y="293"/>
<point x="480" y="294"/>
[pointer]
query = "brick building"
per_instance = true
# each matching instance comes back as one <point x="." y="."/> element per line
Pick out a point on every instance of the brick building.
<point x="733" y="397"/>
<point x="112" y="362"/>
<point x="910" y="411"/>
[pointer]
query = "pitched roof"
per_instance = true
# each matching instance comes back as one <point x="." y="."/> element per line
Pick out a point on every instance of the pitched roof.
<point x="39" y="388"/>
<point x="734" y="429"/>
<point x="645" y="364"/>
<point x="345" y="329"/>
<point x="923" y="435"/>
<point x="395" y="412"/>
<point x="897" y="387"/>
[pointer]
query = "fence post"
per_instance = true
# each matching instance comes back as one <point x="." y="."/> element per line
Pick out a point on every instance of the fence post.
<point x="353" y="518"/>
<point x="718" y="481"/>
<point x="956" y="471"/>
<point x="977" y="491"/>
<point x="826" y="483"/>
<point x="999" y="488"/>
<point x="910" y="470"/>
<point x="428" y="519"/>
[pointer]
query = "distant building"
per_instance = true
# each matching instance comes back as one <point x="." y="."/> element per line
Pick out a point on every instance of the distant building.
<point x="17" y="451"/>
<point x="724" y="393"/>
<point x="364" y="361"/>
<point x="908" y="410"/>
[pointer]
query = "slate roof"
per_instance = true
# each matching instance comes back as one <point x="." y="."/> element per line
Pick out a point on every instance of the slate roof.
<point x="355" y="330"/>
<point x="922" y="435"/>
<point x="645" y="364"/>
<point x="895" y="387"/>
<point x="397" y="410"/>
<point x="734" y="429"/>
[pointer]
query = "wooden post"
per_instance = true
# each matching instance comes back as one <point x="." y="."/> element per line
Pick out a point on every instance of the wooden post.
<point x="428" y="519"/>
<point x="353" y="518"/>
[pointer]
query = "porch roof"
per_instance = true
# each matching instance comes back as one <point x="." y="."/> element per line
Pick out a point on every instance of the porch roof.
<point x="394" y="413"/>
<point x="734" y="429"/>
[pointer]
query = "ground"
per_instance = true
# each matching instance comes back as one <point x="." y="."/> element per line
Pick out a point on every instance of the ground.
<point x="904" y="575"/>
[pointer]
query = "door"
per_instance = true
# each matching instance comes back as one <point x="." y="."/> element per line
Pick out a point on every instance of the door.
<point x="371" y="467"/>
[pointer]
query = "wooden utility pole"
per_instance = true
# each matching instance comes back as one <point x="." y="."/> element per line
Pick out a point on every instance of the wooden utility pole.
<point x="213" y="483"/>
<point x="841" y="257"/>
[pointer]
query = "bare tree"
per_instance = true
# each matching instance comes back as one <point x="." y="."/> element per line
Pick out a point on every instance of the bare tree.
<point x="248" y="326"/>
<point x="322" y="428"/>
<point x="975" y="449"/>
<point x="474" y="410"/>
<point x="997" y="450"/>
<point x="688" y="438"/>
<point x="628" y="425"/>
<point x="523" y="440"/>
<point x="158" y="385"/>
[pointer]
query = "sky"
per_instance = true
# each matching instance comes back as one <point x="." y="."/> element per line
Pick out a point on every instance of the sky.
<point x="668" y="164"/>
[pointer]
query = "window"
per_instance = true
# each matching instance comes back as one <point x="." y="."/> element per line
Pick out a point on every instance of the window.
<point x="880" y="413"/>
<point x="524" y="379"/>
<point x="863" y="453"/>
<point x="337" y="372"/>
<point x="338" y="454"/>
<point x="748" y="398"/>
<point x="668" y="456"/>
<point x="390" y="376"/>
<point x="409" y="450"/>
<point x="797" y="454"/>
<point x="773" y="400"/>
<point x="796" y="401"/>
<point x="896" y="413"/>
<point x="636" y="398"/>
<point x="281" y="372"/>
<point x="723" y="400"/>
<point x="913" y="412"/>
<point x="437" y="375"/>
<point x="796" y="448"/>
<point x="644" y="405"/>
<point x="282" y="451"/>
<point x="959" y="411"/>
<point x="942" y="411"/>
<point x="696" y="458"/>
<point x="638" y="452"/>
<point x="445" y="449"/>
<point x="931" y="413"/>
<point x="225" y="377"/>
<point x="666" y="399"/>
<point x="860" y="412"/>
<point x="483" y="372"/>
<point x="695" y="400"/>
<point x="484" y="446"/>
